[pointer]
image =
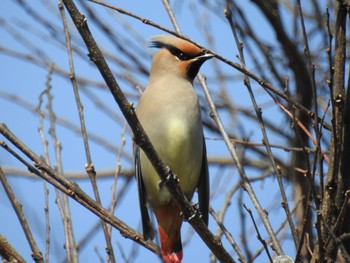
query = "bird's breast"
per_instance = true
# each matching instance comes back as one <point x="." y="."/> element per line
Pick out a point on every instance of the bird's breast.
<point x="178" y="132"/>
<point x="179" y="143"/>
<point x="170" y="114"/>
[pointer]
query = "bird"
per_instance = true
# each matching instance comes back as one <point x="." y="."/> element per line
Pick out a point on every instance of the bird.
<point x="170" y="114"/>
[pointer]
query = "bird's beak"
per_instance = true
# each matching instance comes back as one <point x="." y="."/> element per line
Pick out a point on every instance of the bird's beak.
<point x="204" y="57"/>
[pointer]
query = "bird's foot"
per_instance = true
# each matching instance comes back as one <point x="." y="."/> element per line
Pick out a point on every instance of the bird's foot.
<point x="171" y="177"/>
<point x="195" y="212"/>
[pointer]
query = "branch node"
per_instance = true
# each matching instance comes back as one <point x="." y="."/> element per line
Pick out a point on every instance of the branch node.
<point x="339" y="99"/>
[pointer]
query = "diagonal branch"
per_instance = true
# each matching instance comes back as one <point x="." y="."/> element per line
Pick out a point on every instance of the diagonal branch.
<point x="17" y="206"/>
<point x="43" y="170"/>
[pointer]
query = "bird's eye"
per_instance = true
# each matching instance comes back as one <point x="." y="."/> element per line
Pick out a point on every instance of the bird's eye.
<point x="182" y="56"/>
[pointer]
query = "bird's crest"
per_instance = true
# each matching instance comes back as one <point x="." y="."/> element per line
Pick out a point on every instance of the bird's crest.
<point x="175" y="44"/>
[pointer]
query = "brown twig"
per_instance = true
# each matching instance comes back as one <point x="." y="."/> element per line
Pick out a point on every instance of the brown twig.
<point x="245" y="182"/>
<point x="229" y="236"/>
<point x="44" y="171"/>
<point x="258" y="112"/>
<point x="44" y="142"/>
<point x="89" y="166"/>
<point x="8" y="252"/>
<point x="62" y="121"/>
<point x="305" y="130"/>
<point x="17" y="206"/>
<point x="62" y="200"/>
<point x="258" y="233"/>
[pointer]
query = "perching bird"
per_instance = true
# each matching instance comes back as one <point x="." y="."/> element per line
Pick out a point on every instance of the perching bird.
<point x="170" y="114"/>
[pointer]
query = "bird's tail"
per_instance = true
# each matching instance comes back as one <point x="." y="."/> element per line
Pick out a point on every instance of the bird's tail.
<point x="169" y="227"/>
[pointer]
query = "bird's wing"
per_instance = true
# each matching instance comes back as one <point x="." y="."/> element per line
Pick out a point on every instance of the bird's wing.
<point x="148" y="231"/>
<point x="203" y="187"/>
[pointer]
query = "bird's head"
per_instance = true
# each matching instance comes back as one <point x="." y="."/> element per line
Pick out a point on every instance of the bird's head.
<point x="177" y="56"/>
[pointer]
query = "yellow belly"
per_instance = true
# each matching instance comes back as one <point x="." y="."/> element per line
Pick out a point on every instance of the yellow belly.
<point x="180" y="146"/>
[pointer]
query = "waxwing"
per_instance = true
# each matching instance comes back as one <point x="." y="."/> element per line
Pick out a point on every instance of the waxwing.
<point x="170" y="114"/>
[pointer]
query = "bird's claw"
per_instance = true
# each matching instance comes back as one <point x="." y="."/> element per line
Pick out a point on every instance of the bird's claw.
<point x="193" y="215"/>
<point x="170" y="177"/>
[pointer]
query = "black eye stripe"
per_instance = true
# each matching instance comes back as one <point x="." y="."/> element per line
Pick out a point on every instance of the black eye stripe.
<point x="180" y="54"/>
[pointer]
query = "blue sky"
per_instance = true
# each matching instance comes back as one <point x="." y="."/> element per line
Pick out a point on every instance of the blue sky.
<point x="27" y="81"/>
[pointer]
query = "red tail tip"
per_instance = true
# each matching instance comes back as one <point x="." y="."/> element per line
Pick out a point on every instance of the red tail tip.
<point x="173" y="257"/>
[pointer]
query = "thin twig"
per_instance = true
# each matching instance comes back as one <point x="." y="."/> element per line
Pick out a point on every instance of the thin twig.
<point x="118" y="169"/>
<point x="229" y="237"/>
<point x="116" y="176"/>
<point x="17" y="206"/>
<point x="7" y="252"/>
<point x="304" y="129"/>
<point x="245" y="182"/>
<point x="61" y="200"/>
<point x="44" y="171"/>
<point x="96" y="227"/>
<point x="316" y="123"/>
<point x="89" y="166"/>
<point x="62" y="122"/>
<point x="258" y="112"/>
<point x="44" y="142"/>
<point x="258" y="233"/>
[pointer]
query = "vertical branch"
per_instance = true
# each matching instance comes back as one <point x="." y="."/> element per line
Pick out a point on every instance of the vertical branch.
<point x="318" y="157"/>
<point x="47" y="222"/>
<point x="331" y="75"/>
<point x="171" y="16"/>
<point x="62" y="199"/>
<point x="345" y="165"/>
<point x="116" y="174"/>
<point x="89" y="166"/>
<point x="334" y="194"/>
<point x="44" y="142"/>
